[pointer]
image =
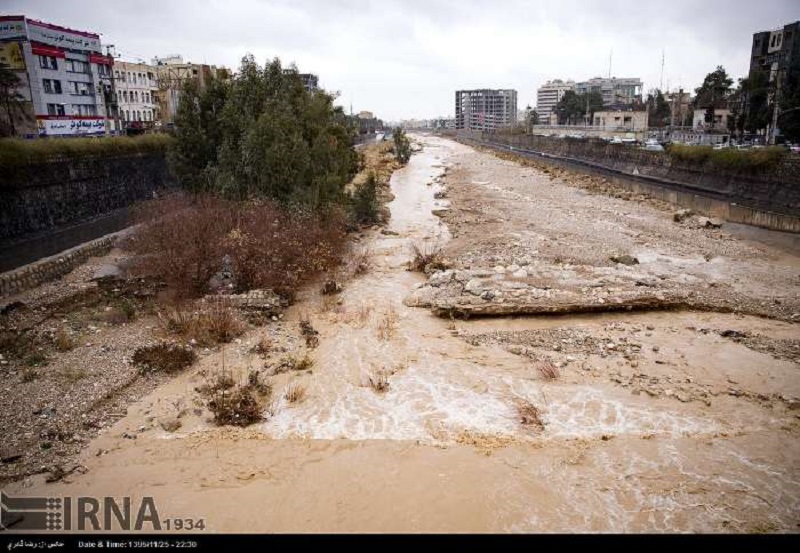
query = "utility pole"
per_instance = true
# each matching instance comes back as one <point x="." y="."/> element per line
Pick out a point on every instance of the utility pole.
<point x="661" y="86"/>
<point x="773" y="133"/>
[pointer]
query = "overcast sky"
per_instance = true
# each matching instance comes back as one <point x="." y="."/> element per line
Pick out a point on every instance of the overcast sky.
<point x="405" y="58"/>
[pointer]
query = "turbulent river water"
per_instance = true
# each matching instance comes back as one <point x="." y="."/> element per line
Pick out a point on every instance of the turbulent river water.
<point x="442" y="448"/>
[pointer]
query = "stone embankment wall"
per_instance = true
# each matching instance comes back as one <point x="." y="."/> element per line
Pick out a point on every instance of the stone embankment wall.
<point x="51" y="268"/>
<point x="769" y="199"/>
<point x="43" y="197"/>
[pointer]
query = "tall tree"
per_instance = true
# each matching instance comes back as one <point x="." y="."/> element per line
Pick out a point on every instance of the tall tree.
<point x="714" y="91"/>
<point x="658" y="109"/>
<point x="10" y="98"/>
<point x="573" y="107"/>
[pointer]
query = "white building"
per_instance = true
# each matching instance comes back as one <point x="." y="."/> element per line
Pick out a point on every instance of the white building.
<point x="615" y="91"/>
<point x="66" y="79"/>
<point x="136" y="88"/>
<point x="549" y="95"/>
<point x="486" y="109"/>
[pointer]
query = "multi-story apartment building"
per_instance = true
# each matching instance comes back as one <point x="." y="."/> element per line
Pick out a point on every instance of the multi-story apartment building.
<point x="486" y="109"/>
<point x="549" y="95"/>
<point x="66" y="79"/>
<point x="171" y="73"/>
<point x="136" y="87"/>
<point x="616" y="92"/>
<point x="775" y="54"/>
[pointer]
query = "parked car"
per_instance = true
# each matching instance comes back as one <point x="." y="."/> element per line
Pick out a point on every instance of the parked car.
<point x="651" y="147"/>
<point x="615" y="140"/>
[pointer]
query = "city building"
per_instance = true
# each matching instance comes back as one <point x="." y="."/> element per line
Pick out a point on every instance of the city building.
<point x="65" y="78"/>
<point x="719" y="124"/>
<point x="310" y="81"/>
<point x="136" y="89"/>
<point x="618" y="120"/>
<point x="171" y="73"/>
<point x="679" y="107"/>
<point x="365" y="115"/>
<point x="615" y="92"/>
<point x="775" y="54"/>
<point x="486" y="109"/>
<point x="549" y="95"/>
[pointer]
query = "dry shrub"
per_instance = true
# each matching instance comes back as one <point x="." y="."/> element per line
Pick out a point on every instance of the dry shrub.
<point x="360" y="261"/>
<point x="74" y="374"/>
<point x="387" y="323"/>
<point x="529" y="415"/>
<point x="214" y="386"/>
<point x="183" y="240"/>
<point x="64" y="341"/>
<point x="308" y="332"/>
<point x="264" y="346"/>
<point x="548" y="370"/>
<point x="293" y="362"/>
<point x="29" y="374"/>
<point x="426" y="257"/>
<point x="378" y="381"/>
<point x="295" y="392"/>
<point x="164" y="357"/>
<point x="212" y="323"/>
<point x="236" y="407"/>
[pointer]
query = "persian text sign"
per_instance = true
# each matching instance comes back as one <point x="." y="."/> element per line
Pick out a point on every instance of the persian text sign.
<point x="62" y="127"/>
<point x="63" y="38"/>
<point x="12" y="28"/>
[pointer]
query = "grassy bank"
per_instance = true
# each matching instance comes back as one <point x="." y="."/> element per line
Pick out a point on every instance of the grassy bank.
<point x="16" y="152"/>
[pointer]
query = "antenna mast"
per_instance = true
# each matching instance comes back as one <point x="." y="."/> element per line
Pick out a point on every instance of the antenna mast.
<point x="662" y="70"/>
<point x="610" y="59"/>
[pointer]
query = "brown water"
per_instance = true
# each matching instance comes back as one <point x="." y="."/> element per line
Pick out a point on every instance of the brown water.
<point x="443" y="448"/>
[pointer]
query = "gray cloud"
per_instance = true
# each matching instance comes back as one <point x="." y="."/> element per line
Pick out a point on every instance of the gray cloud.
<point x="406" y="58"/>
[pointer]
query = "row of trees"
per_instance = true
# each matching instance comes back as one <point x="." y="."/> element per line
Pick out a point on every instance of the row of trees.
<point x="263" y="135"/>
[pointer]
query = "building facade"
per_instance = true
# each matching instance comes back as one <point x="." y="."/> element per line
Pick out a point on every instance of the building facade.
<point x="136" y="88"/>
<point x="66" y="79"/>
<point x="776" y="55"/>
<point x="171" y="73"/>
<point x="615" y="92"/>
<point x="486" y="109"/>
<point x="549" y="95"/>
<point x="623" y="121"/>
<point x="719" y="123"/>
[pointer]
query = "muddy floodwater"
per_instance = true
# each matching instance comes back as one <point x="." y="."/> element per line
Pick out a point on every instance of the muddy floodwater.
<point x="656" y="422"/>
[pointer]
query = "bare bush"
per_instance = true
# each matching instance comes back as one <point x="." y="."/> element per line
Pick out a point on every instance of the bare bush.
<point x="308" y="332"/>
<point x="164" y="357"/>
<point x="387" y="324"/>
<point x="184" y="239"/>
<point x="264" y="346"/>
<point x="426" y="257"/>
<point x="360" y="262"/>
<point x="378" y="380"/>
<point x="64" y="341"/>
<point x="529" y="415"/>
<point x="548" y="370"/>
<point x="237" y="407"/>
<point x="293" y="362"/>
<point x="212" y="323"/>
<point x="295" y="392"/>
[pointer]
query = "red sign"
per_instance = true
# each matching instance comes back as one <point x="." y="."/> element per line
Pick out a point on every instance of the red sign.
<point x="101" y="59"/>
<point x="44" y="50"/>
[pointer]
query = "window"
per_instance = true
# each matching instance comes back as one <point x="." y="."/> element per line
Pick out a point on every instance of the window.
<point x="127" y="115"/>
<point x="48" y="86"/>
<point x="103" y="70"/>
<point x="138" y="115"/>
<point x="48" y="62"/>
<point x="81" y="89"/>
<point x="116" y="75"/>
<point x="55" y="109"/>
<point x="77" y="66"/>
<point x="81" y="110"/>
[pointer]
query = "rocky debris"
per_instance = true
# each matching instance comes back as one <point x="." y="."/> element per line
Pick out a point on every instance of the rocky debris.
<point x="10" y="456"/>
<point x="108" y="272"/>
<point x="706" y="222"/>
<point x="440" y="211"/>
<point x="624" y="260"/>
<point x="681" y="215"/>
<point x="387" y="232"/>
<point x="495" y="292"/>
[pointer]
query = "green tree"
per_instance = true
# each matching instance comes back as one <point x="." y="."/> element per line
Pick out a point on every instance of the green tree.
<point x="365" y="201"/>
<point x="10" y="98"/>
<point x="402" y="146"/>
<point x="199" y="134"/>
<point x="714" y="92"/>
<point x="659" y="112"/>
<point x="789" y="118"/>
<point x="573" y="108"/>
<point x="264" y="135"/>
